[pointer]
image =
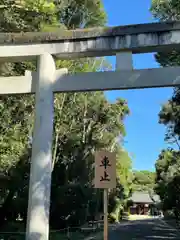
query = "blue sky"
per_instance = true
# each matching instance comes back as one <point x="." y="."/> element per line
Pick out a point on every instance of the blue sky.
<point x="145" y="137"/>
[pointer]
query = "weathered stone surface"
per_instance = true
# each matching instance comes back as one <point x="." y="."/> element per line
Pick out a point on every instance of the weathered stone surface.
<point x="95" y="81"/>
<point x="84" y="34"/>
<point x="141" y="38"/>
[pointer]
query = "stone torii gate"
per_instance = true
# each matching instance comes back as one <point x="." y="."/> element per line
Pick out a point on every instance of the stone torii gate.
<point x="121" y="41"/>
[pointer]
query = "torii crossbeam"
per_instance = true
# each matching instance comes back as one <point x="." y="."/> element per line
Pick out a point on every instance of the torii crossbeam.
<point x="120" y="41"/>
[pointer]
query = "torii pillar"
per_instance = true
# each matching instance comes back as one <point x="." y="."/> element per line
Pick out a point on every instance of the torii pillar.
<point x="41" y="167"/>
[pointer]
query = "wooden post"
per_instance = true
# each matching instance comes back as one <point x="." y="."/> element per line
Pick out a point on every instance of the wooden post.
<point x="106" y="214"/>
<point x="41" y="163"/>
<point x="105" y="178"/>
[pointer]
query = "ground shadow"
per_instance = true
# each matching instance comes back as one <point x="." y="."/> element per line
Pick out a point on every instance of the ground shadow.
<point x="149" y="229"/>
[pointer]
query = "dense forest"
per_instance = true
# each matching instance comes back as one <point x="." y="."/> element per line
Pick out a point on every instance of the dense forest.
<point x="84" y="123"/>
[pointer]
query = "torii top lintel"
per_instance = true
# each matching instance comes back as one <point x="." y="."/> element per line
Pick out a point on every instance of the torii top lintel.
<point x="105" y="41"/>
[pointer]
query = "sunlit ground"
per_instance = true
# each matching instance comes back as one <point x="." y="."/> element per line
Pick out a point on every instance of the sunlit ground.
<point x="139" y="217"/>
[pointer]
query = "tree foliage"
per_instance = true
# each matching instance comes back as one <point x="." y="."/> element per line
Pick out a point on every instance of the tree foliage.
<point x="166" y="11"/>
<point x="83" y="123"/>
<point x="168" y="180"/>
<point x="143" y="180"/>
<point x="81" y="13"/>
<point x="167" y="165"/>
<point x="119" y="196"/>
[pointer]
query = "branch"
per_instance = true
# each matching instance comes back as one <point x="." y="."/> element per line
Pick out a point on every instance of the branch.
<point x="176" y="141"/>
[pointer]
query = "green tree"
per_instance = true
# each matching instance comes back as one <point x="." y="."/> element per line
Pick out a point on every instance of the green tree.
<point x="167" y="166"/>
<point x="17" y="16"/>
<point x="167" y="11"/>
<point x="143" y="180"/>
<point x="17" y="111"/>
<point x="169" y="116"/>
<point x="82" y="13"/>
<point x="168" y="179"/>
<point x="119" y="196"/>
<point x="94" y="125"/>
<point x="83" y="122"/>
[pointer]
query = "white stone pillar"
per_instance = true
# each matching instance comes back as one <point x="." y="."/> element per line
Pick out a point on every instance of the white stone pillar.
<point x="40" y="173"/>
